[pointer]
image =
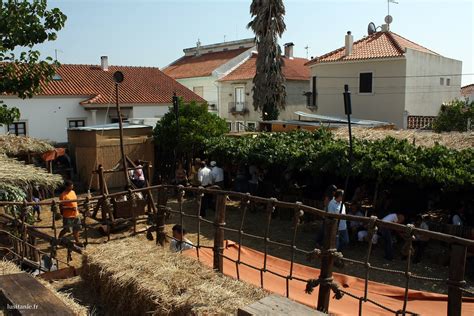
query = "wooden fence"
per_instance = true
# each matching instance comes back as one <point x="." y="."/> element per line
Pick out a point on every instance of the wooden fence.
<point x="158" y="214"/>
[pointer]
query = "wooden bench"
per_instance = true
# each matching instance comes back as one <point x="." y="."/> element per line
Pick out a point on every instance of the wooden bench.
<point x="22" y="294"/>
<point x="276" y="305"/>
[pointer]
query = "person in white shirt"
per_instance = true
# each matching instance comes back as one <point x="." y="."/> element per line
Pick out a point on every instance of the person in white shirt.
<point x="204" y="175"/>
<point x="205" y="180"/>
<point x="334" y="207"/>
<point x="179" y="242"/>
<point x="217" y="175"/>
<point x="387" y="233"/>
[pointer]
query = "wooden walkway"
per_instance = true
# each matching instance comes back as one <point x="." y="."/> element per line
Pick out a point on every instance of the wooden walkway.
<point x="22" y="294"/>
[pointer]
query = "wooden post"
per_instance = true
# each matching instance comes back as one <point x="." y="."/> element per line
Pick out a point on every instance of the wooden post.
<point x="457" y="266"/>
<point x="327" y="264"/>
<point x="160" y="217"/>
<point x="219" y="223"/>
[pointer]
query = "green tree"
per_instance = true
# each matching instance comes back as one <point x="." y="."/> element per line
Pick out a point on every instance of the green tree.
<point x="454" y="116"/>
<point x="196" y="125"/>
<point x="269" y="82"/>
<point x="24" y="24"/>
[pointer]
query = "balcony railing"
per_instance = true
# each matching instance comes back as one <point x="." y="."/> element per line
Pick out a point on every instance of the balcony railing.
<point x="238" y="107"/>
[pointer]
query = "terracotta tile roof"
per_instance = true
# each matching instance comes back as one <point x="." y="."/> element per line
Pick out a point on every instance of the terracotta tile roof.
<point x="377" y="45"/>
<point x="293" y="69"/>
<point x="467" y="90"/>
<point x="200" y="66"/>
<point x="142" y="85"/>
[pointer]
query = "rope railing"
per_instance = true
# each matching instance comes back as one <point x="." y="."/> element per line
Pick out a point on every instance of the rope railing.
<point x="327" y="254"/>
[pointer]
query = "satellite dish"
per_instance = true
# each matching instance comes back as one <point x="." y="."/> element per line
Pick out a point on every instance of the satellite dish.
<point x="371" y="29"/>
<point x="388" y="19"/>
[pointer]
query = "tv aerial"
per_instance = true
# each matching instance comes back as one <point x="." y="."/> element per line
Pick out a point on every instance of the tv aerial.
<point x="388" y="19"/>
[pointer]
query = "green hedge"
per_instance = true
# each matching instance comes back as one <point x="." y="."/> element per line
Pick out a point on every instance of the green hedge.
<point x="318" y="152"/>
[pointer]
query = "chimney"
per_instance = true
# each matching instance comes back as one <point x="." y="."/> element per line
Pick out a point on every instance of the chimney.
<point x="104" y="63"/>
<point x="289" y="50"/>
<point x="349" y="42"/>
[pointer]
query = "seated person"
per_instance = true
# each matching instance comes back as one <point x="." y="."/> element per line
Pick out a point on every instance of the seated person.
<point x="179" y="242"/>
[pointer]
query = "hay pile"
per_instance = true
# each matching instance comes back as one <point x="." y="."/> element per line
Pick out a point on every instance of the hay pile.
<point x="136" y="276"/>
<point x="454" y="140"/>
<point x="8" y="267"/>
<point x="13" y="145"/>
<point x="16" y="173"/>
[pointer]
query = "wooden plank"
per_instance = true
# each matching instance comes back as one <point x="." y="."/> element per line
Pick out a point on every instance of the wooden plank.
<point x="277" y="305"/>
<point x="22" y="294"/>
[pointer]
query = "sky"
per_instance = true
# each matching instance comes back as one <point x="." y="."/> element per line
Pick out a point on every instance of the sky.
<point x="155" y="32"/>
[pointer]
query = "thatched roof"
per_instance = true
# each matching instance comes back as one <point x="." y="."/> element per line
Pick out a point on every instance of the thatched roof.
<point x="13" y="145"/>
<point x="454" y="140"/>
<point x="19" y="174"/>
<point x="8" y="267"/>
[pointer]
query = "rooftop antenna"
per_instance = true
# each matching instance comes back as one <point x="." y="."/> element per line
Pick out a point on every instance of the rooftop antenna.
<point x="389" y="18"/>
<point x="56" y="51"/>
<point x="307" y="51"/>
<point x="224" y="38"/>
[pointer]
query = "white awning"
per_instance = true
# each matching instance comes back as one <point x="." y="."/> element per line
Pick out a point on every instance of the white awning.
<point x="337" y="119"/>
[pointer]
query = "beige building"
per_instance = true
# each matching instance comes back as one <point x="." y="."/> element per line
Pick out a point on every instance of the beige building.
<point x="391" y="79"/>
<point x="236" y="98"/>
<point x="202" y="66"/>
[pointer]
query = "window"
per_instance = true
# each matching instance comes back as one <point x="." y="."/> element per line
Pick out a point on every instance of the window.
<point x="441" y="81"/>
<point x="251" y="126"/>
<point x="239" y="126"/>
<point x="199" y="91"/>
<point x="17" y="128"/>
<point x="448" y="81"/>
<point x="229" y="126"/>
<point x="239" y="98"/>
<point x="114" y="120"/>
<point x="365" y="82"/>
<point x="314" y="91"/>
<point x="76" y="123"/>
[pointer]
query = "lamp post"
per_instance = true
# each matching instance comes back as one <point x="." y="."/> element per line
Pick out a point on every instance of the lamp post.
<point x="348" y="111"/>
<point x="118" y="78"/>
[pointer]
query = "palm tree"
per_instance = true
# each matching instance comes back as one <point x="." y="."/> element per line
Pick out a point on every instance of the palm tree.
<point x="269" y="83"/>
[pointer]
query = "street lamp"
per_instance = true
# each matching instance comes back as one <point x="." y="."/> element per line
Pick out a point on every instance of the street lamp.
<point x="118" y="78"/>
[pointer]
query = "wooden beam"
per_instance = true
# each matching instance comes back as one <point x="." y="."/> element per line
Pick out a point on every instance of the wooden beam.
<point x="22" y="294"/>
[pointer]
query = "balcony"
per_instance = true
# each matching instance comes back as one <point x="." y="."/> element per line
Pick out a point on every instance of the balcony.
<point x="238" y="108"/>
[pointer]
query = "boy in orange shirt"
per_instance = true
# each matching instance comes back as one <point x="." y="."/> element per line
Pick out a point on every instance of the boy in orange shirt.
<point x="71" y="220"/>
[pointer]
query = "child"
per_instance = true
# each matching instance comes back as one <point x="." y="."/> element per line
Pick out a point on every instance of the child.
<point x="37" y="208"/>
<point x="179" y="242"/>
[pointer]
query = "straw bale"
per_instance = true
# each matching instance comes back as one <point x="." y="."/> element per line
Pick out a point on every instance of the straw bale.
<point x="454" y="140"/>
<point x="13" y="145"/>
<point x="8" y="267"/>
<point x="135" y="275"/>
<point x="17" y="173"/>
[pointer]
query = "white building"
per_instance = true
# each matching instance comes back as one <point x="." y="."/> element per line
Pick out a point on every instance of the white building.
<point x="236" y="96"/>
<point x="83" y="95"/>
<point x="202" y="66"/>
<point x="391" y="79"/>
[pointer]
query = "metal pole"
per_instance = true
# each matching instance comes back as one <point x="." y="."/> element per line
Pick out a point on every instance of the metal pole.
<point x="122" y="150"/>
<point x="348" y="111"/>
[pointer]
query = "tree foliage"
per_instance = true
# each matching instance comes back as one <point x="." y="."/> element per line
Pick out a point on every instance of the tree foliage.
<point x="454" y="116"/>
<point x="196" y="125"/>
<point x="24" y="24"/>
<point x="319" y="153"/>
<point x="269" y="82"/>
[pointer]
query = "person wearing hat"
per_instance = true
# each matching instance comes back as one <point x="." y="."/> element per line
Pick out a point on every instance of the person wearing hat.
<point x="217" y="175"/>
